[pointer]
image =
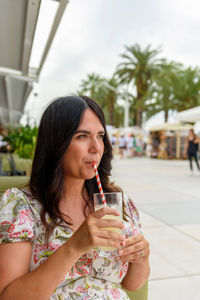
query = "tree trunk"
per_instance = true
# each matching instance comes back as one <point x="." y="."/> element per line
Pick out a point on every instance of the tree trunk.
<point x="140" y="91"/>
<point x="139" y="117"/>
<point x="111" y="116"/>
<point x="166" y="115"/>
<point x="111" y="110"/>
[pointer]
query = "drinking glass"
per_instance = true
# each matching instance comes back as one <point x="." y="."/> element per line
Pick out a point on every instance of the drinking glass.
<point x="113" y="200"/>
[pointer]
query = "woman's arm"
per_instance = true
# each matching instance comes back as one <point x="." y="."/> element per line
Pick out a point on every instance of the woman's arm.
<point x="136" y="252"/>
<point x="197" y="139"/>
<point x="20" y="284"/>
<point x="136" y="276"/>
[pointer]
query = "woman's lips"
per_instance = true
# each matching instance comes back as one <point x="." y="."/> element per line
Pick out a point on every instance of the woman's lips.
<point x="91" y="163"/>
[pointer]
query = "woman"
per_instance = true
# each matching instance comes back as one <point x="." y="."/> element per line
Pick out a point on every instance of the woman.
<point x="48" y="230"/>
<point x="192" y="148"/>
<point x="122" y="146"/>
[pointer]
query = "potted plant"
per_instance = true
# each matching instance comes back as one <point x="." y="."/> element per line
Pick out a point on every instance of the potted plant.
<point x="21" y="143"/>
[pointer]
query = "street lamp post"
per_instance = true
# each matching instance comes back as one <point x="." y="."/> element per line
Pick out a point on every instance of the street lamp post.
<point x="126" y="112"/>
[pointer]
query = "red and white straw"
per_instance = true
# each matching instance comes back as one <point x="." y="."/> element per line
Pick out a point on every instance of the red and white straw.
<point x="99" y="184"/>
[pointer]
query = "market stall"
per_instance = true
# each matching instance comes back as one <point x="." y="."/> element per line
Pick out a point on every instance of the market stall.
<point x="133" y="137"/>
<point x="168" y="140"/>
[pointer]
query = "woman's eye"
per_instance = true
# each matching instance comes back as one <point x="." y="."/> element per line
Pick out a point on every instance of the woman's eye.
<point x="101" y="136"/>
<point x="82" y="136"/>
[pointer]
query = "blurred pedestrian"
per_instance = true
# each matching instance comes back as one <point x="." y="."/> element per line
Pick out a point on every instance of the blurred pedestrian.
<point x="113" y="140"/>
<point x="149" y="147"/>
<point x="129" y="145"/>
<point x="139" y="145"/>
<point x="122" y="145"/>
<point x="191" y="148"/>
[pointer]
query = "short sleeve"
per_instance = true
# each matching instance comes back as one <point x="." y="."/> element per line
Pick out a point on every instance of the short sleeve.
<point x="131" y="214"/>
<point x="16" y="217"/>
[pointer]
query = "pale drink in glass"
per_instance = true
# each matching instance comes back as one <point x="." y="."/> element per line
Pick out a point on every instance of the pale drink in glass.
<point x="113" y="200"/>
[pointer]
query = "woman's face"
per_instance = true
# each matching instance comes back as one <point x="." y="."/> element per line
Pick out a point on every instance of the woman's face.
<point x="86" y="147"/>
<point x="191" y="132"/>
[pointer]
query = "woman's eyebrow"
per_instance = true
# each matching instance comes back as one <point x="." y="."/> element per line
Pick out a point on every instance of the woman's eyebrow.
<point x="88" y="132"/>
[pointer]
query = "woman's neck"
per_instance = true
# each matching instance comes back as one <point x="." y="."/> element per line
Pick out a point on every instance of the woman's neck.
<point x="191" y="136"/>
<point x="73" y="202"/>
<point x="73" y="189"/>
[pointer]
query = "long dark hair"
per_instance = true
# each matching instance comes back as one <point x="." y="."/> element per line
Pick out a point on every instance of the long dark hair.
<point x="57" y="127"/>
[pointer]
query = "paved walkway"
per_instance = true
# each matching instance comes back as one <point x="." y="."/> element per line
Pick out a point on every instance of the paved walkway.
<point x="168" y="198"/>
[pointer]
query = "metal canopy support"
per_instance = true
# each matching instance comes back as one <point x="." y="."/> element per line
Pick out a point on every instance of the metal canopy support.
<point x="56" y="22"/>
<point x="31" y="21"/>
<point x="18" y="21"/>
<point x="17" y="92"/>
<point x="8" y="97"/>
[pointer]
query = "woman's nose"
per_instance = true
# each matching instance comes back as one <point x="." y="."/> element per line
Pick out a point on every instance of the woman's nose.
<point x="95" y="145"/>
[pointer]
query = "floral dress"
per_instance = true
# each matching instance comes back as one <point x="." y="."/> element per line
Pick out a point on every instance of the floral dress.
<point x="91" y="277"/>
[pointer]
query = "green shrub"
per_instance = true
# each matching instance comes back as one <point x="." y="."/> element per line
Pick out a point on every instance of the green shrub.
<point x="21" y="140"/>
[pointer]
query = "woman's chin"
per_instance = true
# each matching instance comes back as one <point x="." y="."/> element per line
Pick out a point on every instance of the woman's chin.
<point x="89" y="175"/>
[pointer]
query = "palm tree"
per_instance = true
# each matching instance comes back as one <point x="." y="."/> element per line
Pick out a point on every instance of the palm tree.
<point x="137" y="69"/>
<point x="93" y="87"/>
<point x="186" y="85"/>
<point x="162" y="91"/>
<point x="104" y="91"/>
<point x="110" y="98"/>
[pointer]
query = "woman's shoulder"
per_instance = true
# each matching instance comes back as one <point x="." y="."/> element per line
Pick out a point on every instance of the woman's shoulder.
<point x="19" y="214"/>
<point x="15" y="199"/>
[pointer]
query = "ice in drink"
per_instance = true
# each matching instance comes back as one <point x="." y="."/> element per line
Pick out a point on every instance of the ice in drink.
<point x="114" y="229"/>
<point x="113" y="200"/>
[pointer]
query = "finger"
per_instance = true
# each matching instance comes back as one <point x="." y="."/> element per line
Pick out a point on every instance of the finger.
<point x="143" y="257"/>
<point x="104" y="223"/>
<point x="105" y="211"/>
<point x="135" y="248"/>
<point x="108" y="243"/>
<point x="134" y="239"/>
<point x="137" y="257"/>
<point x="132" y="256"/>
<point x="130" y="259"/>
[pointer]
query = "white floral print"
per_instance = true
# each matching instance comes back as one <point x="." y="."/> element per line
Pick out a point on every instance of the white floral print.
<point x="91" y="277"/>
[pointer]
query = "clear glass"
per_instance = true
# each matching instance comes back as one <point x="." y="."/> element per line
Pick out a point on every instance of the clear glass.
<point x="113" y="200"/>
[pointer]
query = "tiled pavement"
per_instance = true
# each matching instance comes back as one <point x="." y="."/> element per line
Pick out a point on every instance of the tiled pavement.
<point x="168" y="198"/>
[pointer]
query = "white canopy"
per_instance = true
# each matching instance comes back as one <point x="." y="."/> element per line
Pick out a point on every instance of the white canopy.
<point x="18" y="22"/>
<point x="189" y="115"/>
<point x="126" y="130"/>
<point x="172" y="127"/>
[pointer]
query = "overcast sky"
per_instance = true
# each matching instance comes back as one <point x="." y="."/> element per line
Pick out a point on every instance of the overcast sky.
<point x="92" y="35"/>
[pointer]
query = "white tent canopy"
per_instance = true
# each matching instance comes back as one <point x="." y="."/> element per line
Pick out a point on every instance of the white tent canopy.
<point x="190" y="115"/>
<point x="171" y="127"/>
<point x="18" y="23"/>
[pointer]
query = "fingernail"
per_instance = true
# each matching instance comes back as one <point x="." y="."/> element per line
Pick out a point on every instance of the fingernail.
<point x="120" y="252"/>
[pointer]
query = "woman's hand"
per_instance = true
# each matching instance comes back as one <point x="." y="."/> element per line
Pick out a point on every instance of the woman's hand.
<point x="135" y="249"/>
<point x="92" y="233"/>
